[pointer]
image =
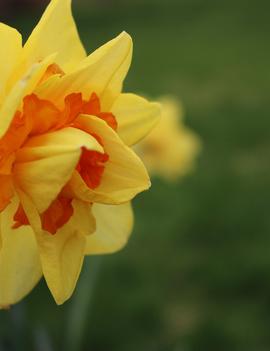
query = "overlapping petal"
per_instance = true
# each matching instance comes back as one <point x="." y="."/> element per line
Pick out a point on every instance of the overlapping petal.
<point x="56" y="32"/>
<point x="102" y="73"/>
<point x="135" y="117"/>
<point x="22" y="87"/>
<point x="61" y="254"/>
<point x="124" y="176"/>
<point x="20" y="267"/>
<point x="113" y="228"/>
<point x="46" y="162"/>
<point x="10" y="50"/>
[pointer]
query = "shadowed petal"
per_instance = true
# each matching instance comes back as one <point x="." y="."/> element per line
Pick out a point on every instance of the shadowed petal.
<point x="114" y="225"/>
<point x="20" y="268"/>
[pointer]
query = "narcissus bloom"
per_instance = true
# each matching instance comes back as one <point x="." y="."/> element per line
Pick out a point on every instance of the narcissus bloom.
<point x="67" y="172"/>
<point x="170" y="149"/>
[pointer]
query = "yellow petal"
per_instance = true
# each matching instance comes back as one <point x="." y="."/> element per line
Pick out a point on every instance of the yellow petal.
<point x="6" y="190"/>
<point x="124" y="176"/>
<point x="56" y="32"/>
<point x="114" y="226"/>
<point x="171" y="148"/>
<point x="61" y="254"/>
<point x="46" y="162"/>
<point x="102" y="72"/>
<point x="23" y="87"/>
<point x="10" y="50"/>
<point x="20" y="267"/>
<point x="135" y="117"/>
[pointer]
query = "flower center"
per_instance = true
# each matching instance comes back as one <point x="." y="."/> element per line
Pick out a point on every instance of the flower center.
<point x="52" y="219"/>
<point x="91" y="167"/>
<point x="42" y="116"/>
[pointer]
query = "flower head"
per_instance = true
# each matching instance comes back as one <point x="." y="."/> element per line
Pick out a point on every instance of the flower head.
<point x="66" y="167"/>
<point x="170" y="148"/>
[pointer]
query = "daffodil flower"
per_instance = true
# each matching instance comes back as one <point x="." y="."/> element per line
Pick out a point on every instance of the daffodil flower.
<point x="67" y="172"/>
<point x="170" y="149"/>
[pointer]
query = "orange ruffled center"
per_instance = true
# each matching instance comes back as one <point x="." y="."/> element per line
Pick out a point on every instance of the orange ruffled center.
<point x="42" y="116"/>
<point x="52" y="219"/>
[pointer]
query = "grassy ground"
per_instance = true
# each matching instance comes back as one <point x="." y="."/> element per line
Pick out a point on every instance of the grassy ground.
<point x="196" y="273"/>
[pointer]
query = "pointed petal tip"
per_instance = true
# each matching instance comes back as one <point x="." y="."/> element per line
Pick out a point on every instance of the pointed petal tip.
<point x="125" y="37"/>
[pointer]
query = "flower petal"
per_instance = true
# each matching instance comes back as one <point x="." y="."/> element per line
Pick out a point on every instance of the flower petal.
<point x="124" y="176"/>
<point x="61" y="254"/>
<point x="6" y="190"/>
<point x="20" y="268"/>
<point x="171" y="148"/>
<point x="46" y="162"/>
<point x="114" y="226"/>
<point x="23" y="87"/>
<point x="10" y="49"/>
<point x="135" y="117"/>
<point x="56" y="32"/>
<point x="102" y="73"/>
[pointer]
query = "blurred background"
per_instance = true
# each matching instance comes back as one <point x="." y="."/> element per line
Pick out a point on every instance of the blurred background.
<point x="195" y="275"/>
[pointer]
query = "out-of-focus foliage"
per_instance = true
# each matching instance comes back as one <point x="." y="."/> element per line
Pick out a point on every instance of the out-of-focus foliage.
<point x="11" y="8"/>
<point x="195" y="275"/>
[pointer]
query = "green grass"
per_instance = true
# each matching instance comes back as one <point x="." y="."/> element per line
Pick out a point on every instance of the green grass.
<point x="196" y="273"/>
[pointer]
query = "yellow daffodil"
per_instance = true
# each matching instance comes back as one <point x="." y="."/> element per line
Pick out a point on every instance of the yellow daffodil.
<point x="66" y="167"/>
<point x="170" y="148"/>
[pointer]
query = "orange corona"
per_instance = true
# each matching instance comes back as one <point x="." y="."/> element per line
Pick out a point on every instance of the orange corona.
<point x="42" y="116"/>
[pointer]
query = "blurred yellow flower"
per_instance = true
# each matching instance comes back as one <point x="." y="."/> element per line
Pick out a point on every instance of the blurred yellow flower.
<point x="170" y="149"/>
<point x="67" y="171"/>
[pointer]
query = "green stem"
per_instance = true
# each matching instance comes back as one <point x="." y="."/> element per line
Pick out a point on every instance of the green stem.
<point x="81" y="304"/>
